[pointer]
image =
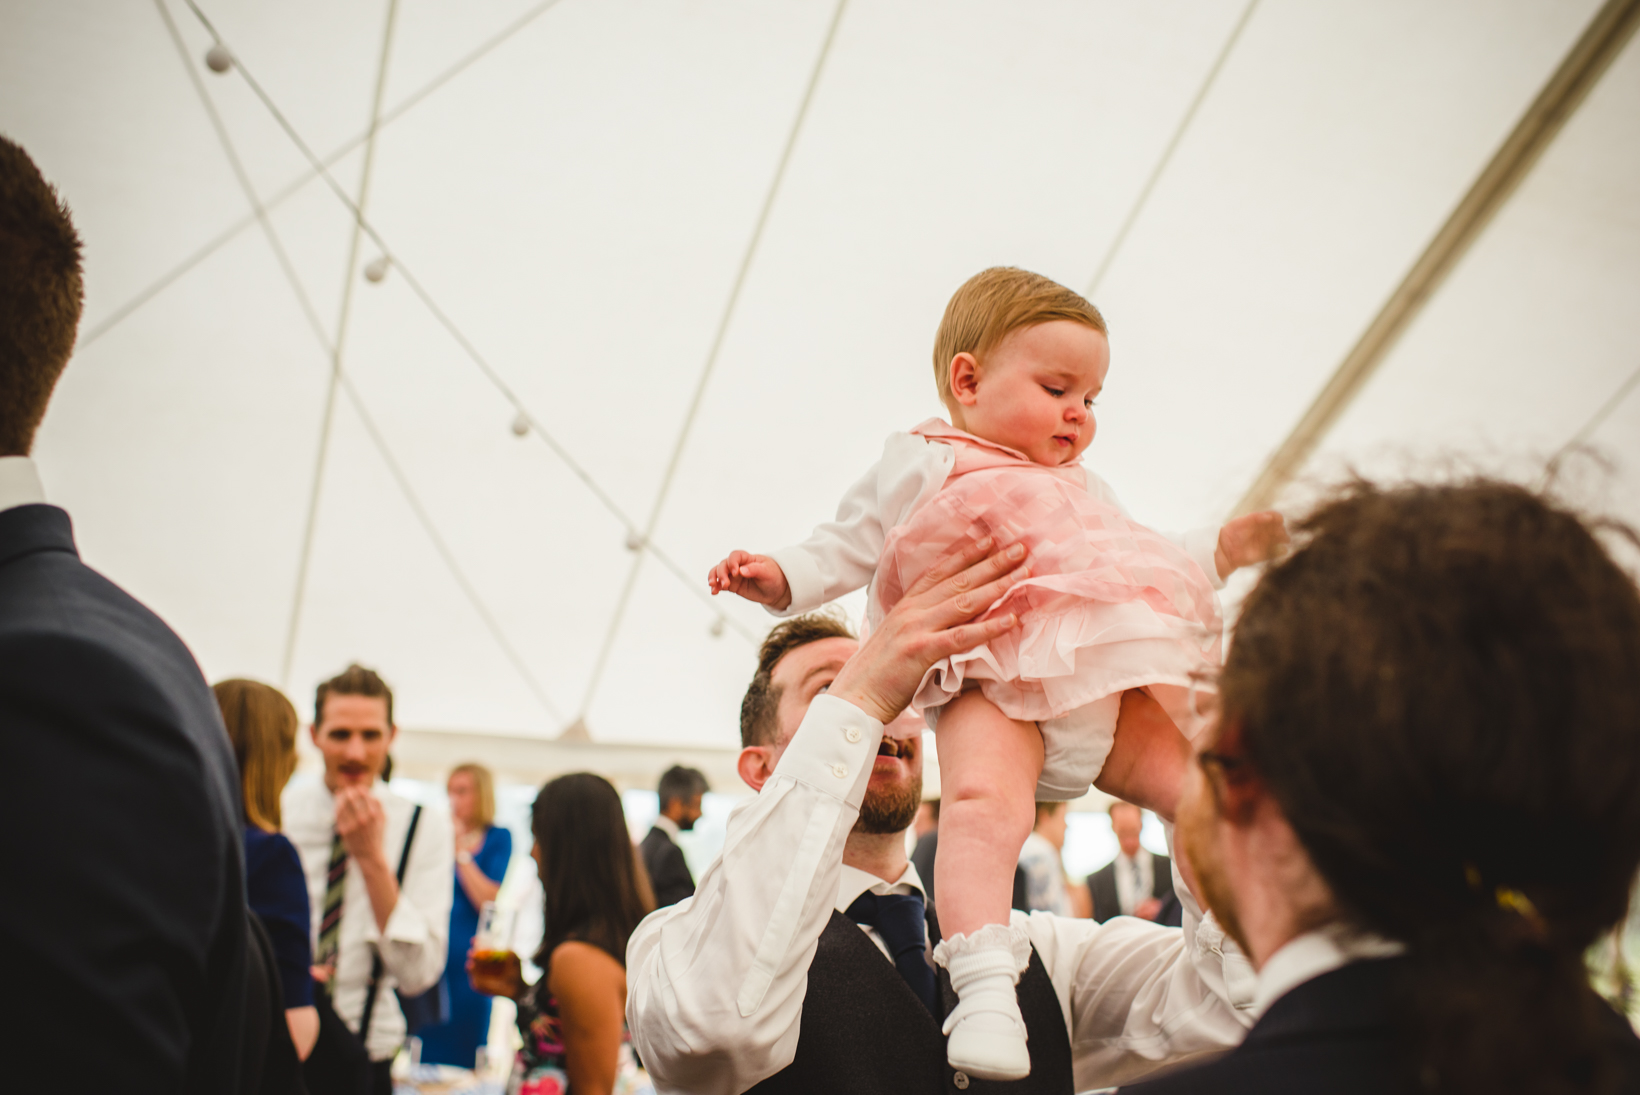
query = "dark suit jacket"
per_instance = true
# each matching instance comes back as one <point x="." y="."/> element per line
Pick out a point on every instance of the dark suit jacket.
<point x="123" y="932"/>
<point x="668" y="873"/>
<point x="1106" y="904"/>
<point x="1336" y="1034"/>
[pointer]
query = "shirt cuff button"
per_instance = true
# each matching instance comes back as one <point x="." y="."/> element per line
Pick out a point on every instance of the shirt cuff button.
<point x="840" y="771"/>
<point x="852" y="734"/>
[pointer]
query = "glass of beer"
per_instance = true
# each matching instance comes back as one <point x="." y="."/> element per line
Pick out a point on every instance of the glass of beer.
<point x="492" y="943"/>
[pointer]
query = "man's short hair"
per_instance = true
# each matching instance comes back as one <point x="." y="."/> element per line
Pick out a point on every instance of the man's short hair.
<point x="355" y="680"/>
<point x="995" y="303"/>
<point x="41" y="291"/>
<point x="680" y="784"/>
<point x="758" y="724"/>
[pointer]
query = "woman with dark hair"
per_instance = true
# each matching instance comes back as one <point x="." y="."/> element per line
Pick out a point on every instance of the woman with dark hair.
<point x="573" y="1020"/>
<point x="1421" y="803"/>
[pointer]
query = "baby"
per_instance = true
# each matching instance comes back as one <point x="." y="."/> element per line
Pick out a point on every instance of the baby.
<point x="1107" y="605"/>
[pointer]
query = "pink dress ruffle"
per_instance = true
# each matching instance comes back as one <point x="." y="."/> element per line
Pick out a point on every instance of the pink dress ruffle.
<point x="1109" y="605"/>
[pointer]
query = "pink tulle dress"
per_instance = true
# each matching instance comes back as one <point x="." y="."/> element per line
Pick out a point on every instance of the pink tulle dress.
<point x="1109" y="605"/>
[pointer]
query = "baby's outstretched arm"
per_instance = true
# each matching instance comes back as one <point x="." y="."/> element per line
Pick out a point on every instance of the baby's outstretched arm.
<point x="754" y="577"/>
<point x="1249" y="540"/>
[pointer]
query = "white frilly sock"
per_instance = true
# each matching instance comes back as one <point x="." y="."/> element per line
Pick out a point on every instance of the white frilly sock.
<point x="986" y="1032"/>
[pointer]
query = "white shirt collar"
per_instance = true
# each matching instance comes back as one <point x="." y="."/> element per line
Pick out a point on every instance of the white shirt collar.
<point x="1314" y="953"/>
<point x="853" y="882"/>
<point x="667" y="826"/>
<point x="19" y="482"/>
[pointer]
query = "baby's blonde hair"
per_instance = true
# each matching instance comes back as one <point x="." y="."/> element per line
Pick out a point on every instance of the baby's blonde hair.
<point x="993" y="304"/>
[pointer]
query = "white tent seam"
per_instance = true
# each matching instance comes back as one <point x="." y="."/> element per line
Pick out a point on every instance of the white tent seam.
<point x="462" y="340"/>
<point x="712" y="354"/>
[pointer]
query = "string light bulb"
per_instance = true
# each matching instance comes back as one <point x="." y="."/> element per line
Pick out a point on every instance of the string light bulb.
<point x="634" y="540"/>
<point x="520" y="425"/>
<point x="717" y="628"/>
<point x="376" y="269"/>
<point x="218" y="59"/>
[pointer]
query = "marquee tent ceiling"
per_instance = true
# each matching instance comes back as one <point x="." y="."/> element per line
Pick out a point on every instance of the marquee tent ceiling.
<point x="621" y="207"/>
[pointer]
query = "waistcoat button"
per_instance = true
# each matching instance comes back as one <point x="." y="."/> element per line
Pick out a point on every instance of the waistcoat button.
<point x="961" y="1080"/>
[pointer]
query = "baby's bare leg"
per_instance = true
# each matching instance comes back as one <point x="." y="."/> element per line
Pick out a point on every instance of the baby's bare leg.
<point x="989" y="765"/>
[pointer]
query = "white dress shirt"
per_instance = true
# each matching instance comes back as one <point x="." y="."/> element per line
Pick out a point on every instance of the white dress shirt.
<point x="1044" y="875"/>
<point x="669" y="827"/>
<point x="413" y="945"/>
<point x="852" y="882"/>
<point x="841" y="555"/>
<point x="717" y="981"/>
<point x="1135" y="879"/>
<point x="19" y="483"/>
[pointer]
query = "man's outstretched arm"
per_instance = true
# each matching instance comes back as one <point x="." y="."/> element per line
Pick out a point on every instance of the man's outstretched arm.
<point x="716" y="984"/>
<point x="1137" y="996"/>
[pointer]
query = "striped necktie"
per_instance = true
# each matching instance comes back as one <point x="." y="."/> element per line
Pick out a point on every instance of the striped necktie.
<point x="330" y="925"/>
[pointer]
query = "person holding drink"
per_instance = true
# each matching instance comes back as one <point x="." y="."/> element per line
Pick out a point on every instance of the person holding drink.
<point x="573" y="1019"/>
<point x="483" y="850"/>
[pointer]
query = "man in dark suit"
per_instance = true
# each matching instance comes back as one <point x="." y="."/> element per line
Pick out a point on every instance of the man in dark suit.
<point x="123" y="934"/>
<point x="1137" y="882"/>
<point x="1424" y="706"/>
<point x="680" y="793"/>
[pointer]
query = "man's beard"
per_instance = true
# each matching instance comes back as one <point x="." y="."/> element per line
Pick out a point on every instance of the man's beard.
<point x="1194" y="837"/>
<point x="890" y="810"/>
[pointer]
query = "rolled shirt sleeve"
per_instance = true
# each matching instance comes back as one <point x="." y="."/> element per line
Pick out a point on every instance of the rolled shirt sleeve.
<point x="414" y="944"/>
<point x="841" y="555"/>
<point x="718" y="980"/>
<point x="1138" y="996"/>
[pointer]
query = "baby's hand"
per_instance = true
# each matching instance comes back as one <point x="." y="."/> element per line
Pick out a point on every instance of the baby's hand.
<point x="754" y="577"/>
<point x="1245" y="541"/>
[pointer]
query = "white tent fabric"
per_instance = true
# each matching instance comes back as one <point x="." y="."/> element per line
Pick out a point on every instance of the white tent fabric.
<point x="580" y="200"/>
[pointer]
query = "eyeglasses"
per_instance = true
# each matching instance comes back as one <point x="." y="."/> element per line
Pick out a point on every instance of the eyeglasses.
<point x="1225" y="762"/>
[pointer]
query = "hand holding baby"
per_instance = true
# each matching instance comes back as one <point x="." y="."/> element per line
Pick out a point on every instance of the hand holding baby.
<point x="754" y="577"/>
<point x="1247" y="541"/>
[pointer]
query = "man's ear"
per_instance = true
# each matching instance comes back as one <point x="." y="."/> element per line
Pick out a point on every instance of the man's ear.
<point x="313" y="732"/>
<point x="755" y="766"/>
<point x="392" y="733"/>
<point x="965" y="379"/>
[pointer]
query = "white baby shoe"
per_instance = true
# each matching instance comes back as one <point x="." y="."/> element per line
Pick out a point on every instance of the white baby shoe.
<point x="986" y="1032"/>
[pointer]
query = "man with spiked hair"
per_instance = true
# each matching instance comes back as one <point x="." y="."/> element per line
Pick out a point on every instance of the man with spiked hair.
<point x="124" y="935"/>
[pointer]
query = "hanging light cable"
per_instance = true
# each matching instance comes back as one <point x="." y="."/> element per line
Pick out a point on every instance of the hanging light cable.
<point x="378" y="439"/>
<point x="694" y="585"/>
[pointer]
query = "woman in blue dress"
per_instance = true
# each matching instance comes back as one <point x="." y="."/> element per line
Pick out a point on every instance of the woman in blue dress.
<point x="483" y="850"/>
<point x="261" y="725"/>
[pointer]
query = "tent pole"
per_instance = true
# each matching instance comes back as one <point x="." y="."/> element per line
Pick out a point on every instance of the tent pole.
<point x="1604" y="38"/>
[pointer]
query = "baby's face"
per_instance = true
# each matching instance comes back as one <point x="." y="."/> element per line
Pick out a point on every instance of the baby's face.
<point x="1035" y="391"/>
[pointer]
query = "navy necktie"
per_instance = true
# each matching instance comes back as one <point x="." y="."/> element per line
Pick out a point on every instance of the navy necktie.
<point x="900" y="920"/>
